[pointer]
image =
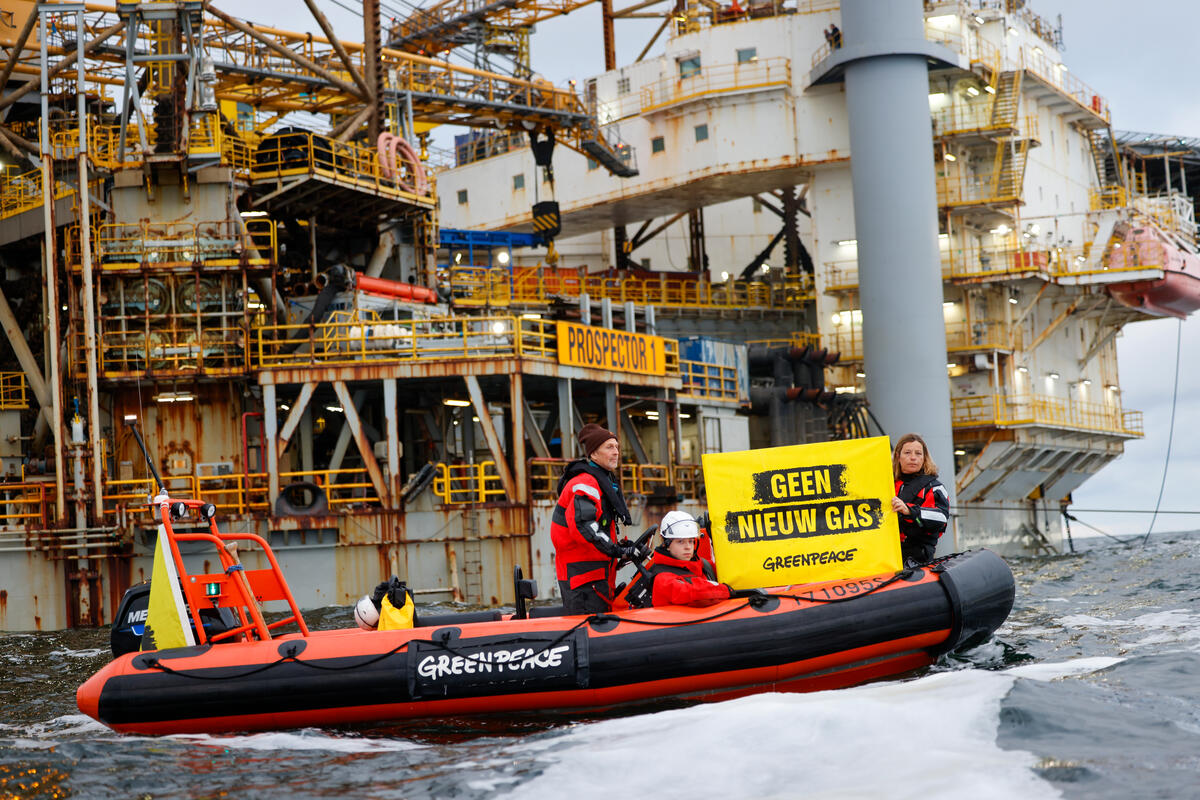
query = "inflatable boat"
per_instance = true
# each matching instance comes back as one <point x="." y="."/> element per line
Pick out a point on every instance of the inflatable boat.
<point x="243" y="675"/>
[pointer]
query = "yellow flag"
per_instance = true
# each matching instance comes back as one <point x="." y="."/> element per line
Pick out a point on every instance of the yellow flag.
<point x="167" y="622"/>
<point x="802" y="514"/>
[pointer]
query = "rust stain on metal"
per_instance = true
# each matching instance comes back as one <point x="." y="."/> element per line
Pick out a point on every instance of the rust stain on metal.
<point x="3" y="602"/>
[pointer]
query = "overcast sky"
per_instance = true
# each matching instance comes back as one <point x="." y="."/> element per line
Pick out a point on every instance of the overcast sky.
<point x="1142" y="60"/>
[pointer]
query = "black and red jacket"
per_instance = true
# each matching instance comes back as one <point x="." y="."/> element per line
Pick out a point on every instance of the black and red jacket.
<point x="583" y="527"/>
<point x="930" y="504"/>
<point x="677" y="583"/>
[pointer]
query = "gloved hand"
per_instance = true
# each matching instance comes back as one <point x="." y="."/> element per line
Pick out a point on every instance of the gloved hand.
<point x="627" y="551"/>
<point x="381" y="591"/>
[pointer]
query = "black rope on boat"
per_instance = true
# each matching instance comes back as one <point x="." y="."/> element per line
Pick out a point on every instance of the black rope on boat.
<point x="477" y="659"/>
<point x="157" y="664"/>
<point x="934" y="565"/>
<point x="678" y="623"/>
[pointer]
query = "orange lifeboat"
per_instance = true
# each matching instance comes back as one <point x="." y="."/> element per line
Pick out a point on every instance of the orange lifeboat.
<point x="792" y="638"/>
<point x="1176" y="293"/>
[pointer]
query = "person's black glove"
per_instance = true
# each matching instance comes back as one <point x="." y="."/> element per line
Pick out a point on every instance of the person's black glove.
<point x="380" y="592"/>
<point x="753" y="594"/>
<point x="627" y="551"/>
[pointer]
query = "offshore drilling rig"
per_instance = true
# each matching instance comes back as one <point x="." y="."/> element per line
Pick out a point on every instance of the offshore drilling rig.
<point x="274" y="303"/>
<point x="359" y="348"/>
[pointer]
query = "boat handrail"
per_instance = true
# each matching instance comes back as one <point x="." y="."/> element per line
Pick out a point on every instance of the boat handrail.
<point x="235" y="587"/>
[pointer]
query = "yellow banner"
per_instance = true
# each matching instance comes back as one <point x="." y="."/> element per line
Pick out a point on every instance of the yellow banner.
<point x="609" y="348"/>
<point x="802" y="514"/>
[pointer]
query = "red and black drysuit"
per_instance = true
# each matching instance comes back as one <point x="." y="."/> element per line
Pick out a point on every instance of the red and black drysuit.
<point x="583" y="529"/>
<point x="919" y="533"/>
<point x="677" y="583"/>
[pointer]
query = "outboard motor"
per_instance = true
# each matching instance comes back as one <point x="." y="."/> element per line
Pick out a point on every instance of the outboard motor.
<point x="126" y="634"/>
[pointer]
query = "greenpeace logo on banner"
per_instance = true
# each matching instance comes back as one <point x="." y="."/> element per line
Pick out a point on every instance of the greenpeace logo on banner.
<point x="454" y="667"/>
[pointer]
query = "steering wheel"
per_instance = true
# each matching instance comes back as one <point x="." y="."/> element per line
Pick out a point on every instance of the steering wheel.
<point x="640" y="542"/>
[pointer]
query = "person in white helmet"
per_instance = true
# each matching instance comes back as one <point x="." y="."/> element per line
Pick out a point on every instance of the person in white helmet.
<point x="679" y="576"/>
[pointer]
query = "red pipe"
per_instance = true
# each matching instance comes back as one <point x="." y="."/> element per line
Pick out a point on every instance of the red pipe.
<point x="398" y="289"/>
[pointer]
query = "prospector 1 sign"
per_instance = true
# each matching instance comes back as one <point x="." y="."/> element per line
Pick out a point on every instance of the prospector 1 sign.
<point x="804" y="513"/>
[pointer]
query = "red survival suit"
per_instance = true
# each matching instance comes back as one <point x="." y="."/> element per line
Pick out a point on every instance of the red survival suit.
<point x="919" y="533"/>
<point x="583" y="529"/>
<point x="677" y="583"/>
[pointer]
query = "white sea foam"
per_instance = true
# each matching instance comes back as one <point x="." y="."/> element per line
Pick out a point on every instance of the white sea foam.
<point x="91" y="652"/>
<point x="1088" y="621"/>
<point x="1172" y="626"/>
<point x="1063" y="669"/>
<point x="926" y="738"/>
<point x="307" y="739"/>
<point x="54" y="730"/>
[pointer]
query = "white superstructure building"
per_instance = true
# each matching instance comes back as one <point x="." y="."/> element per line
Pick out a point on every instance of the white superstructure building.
<point x="740" y="135"/>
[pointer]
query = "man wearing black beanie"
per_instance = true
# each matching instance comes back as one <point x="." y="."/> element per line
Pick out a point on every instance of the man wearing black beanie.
<point x="584" y="525"/>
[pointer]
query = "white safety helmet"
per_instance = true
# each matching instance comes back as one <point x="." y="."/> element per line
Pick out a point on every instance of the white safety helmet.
<point x="678" y="525"/>
<point x="366" y="615"/>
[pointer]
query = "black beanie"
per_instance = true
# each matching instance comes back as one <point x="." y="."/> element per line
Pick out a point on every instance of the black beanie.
<point x="591" y="436"/>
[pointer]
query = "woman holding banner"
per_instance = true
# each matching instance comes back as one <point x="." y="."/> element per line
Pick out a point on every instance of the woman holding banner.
<point x="583" y="527"/>
<point x="921" y="501"/>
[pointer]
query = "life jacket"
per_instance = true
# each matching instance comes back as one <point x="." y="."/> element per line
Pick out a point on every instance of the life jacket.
<point x="926" y="495"/>
<point x="587" y="555"/>
<point x="691" y="582"/>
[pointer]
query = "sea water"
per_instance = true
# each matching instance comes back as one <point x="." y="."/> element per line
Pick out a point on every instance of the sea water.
<point x="1090" y="690"/>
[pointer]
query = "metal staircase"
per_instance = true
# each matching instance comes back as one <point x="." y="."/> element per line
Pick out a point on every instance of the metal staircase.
<point x="1111" y="193"/>
<point x="1008" y="178"/>
<point x="1007" y="101"/>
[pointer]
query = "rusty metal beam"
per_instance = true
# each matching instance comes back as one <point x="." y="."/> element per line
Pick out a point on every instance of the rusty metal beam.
<point x="349" y="126"/>
<point x="387" y="243"/>
<point x="659" y="32"/>
<point x="393" y="435"/>
<point x="344" y="434"/>
<point x="364" y="447"/>
<point x="1054" y="325"/>
<point x="16" y="144"/>
<point x="1015" y="325"/>
<point x="435" y="434"/>
<point x="270" y="428"/>
<point x="372" y="69"/>
<point x="535" y="434"/>
<point x="18" y="47"/>
<point x="517" y="410"/>
<point x="66" y="61"/>
<point x="566" y="418"/>
<point x="635" y="441"/>
<point x="336" y="44"/>
<point x="451" y="367"/>
<point x="294" y="415"/>
<point x="25" y="357"/>
<point x="640" y="240"/>
<point x="489" y="433"/>
<point x="287" y="53"/>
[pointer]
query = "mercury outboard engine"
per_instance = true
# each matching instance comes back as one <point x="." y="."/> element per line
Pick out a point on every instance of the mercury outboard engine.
<point x="130" y="622"/>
